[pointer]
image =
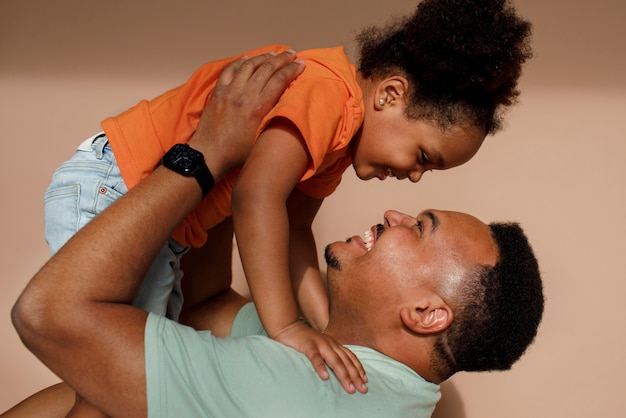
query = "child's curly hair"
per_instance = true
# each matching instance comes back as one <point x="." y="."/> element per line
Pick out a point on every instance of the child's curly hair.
<point x="462" y="58"/>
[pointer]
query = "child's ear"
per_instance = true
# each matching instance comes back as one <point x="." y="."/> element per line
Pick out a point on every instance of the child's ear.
<point x="427" y="318"/>
<point x="390" y="91"/>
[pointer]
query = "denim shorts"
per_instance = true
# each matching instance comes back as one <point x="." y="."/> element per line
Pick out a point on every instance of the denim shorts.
<point x="84" y="186"/>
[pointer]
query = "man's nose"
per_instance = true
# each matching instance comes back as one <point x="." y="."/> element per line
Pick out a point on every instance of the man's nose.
<point x="394" y="218"/>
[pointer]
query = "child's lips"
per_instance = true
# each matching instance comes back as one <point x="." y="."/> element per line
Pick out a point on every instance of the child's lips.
<point x="385" y="173"/>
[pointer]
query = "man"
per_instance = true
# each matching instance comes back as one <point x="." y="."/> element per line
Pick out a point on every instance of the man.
<point x="417" y="300"/>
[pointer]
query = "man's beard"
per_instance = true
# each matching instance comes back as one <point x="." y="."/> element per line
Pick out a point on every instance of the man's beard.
<point x="331" y="259"/>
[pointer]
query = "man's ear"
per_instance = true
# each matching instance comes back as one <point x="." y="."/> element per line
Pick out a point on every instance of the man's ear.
<point x="390" y="91"/>
<point x="428" y="318"/>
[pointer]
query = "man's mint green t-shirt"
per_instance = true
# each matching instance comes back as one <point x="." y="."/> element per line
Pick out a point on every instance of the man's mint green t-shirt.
<point x="194" y="374"/>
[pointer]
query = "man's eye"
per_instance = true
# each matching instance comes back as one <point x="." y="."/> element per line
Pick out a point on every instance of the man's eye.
<point x="420" y="226"/>
<point x="425" y="159"/>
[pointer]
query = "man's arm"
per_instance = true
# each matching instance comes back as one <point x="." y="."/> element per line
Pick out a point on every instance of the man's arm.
<point x="75" y="313"/>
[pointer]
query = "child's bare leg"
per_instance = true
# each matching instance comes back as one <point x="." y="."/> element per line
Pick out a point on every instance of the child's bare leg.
<point x="52" y="402"/>
<point x="82" y="409"/>
<point x="207" y="274"/>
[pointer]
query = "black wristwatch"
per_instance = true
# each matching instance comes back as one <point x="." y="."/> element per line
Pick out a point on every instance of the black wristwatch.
<point x="189" y="162"/>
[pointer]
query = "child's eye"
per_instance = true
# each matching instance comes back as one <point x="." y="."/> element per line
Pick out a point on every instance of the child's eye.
<point x="425" y="159"/>
<point x="420" y="226"/>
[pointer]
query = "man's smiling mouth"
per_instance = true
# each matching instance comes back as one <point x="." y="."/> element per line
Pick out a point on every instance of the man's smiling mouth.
<point x="369" y="237"/>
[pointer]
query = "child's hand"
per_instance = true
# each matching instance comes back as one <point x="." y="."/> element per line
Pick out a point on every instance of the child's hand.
<point x="320" y="348"/>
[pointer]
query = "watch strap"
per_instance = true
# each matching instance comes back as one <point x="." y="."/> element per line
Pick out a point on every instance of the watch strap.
<point x="205" y="178"/>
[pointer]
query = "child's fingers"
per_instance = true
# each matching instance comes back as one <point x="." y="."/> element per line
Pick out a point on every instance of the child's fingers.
<point x="355" y="370"/>
<point x="319" y="365"/>
<point x="355" y="361"/>
<point x="347" y="368"/>
<point x="322" y="350"/>
<point x="344" y="364"/>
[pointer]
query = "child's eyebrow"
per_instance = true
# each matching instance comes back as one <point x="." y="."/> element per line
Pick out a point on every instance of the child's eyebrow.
<point x="437" y="159"/>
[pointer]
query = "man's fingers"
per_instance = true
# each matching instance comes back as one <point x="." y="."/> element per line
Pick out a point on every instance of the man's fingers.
<point x="259" y="81"/>
<point x="268" y="65"/>
<point x="230" y="71"/>
<point x="261" y="71"/>
<point x="277" y="84"/>
<point x="238" y="72"/>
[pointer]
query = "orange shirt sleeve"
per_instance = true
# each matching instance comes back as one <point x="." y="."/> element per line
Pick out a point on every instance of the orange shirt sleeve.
<point x="327" y="112"/>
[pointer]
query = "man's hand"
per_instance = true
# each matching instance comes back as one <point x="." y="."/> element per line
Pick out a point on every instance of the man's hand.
<point x="320" y="348"/>
<point x="245" y="91"/>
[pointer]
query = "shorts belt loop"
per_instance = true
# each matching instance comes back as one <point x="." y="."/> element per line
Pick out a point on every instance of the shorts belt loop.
<point x="98" y="144"/>
<point x="94" y="143"/>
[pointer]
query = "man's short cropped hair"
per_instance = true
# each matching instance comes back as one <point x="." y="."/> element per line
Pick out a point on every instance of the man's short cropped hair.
<point x="499" y="311"/>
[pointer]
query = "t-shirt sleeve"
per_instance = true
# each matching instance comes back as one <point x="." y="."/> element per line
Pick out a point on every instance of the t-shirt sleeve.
<point x="247" y="322"/>
<point x="317" y="107"/>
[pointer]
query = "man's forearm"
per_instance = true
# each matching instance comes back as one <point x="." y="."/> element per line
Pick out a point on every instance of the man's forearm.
<point x="75" y="315"/>
<point x="107" y="259"/>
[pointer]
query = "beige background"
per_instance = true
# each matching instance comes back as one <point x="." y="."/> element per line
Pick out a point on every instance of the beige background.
<point x="557" y="168"/>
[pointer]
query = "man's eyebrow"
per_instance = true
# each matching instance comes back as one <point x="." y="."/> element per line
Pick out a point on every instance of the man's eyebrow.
<point x="434" y="221"/>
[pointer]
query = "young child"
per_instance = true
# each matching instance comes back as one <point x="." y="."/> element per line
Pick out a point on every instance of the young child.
<point x="427" y="90"/>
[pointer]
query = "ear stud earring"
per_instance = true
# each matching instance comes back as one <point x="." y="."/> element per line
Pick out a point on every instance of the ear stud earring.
<point x="381" y="102"/>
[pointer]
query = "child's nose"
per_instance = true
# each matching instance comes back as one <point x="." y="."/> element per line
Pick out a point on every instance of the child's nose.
<point x="415" y="176"/>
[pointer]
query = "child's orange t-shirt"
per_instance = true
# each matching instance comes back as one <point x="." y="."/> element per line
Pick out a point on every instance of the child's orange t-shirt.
<point x="324" y="102"/>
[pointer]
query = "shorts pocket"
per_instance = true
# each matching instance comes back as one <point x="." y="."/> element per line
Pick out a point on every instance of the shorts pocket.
<point x="61" y="215"/>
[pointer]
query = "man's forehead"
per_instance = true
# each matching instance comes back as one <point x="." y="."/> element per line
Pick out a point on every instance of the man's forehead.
<point x="462" y="232"/>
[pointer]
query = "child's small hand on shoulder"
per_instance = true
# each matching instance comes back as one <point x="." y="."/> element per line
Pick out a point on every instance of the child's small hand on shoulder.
<point x="322" y="349"/>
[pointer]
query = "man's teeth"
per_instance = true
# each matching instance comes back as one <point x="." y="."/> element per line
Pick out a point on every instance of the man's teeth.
<point x="369" y="239"/>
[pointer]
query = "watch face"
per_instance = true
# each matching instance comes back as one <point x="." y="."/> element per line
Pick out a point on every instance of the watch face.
<point x="183" y="159"/>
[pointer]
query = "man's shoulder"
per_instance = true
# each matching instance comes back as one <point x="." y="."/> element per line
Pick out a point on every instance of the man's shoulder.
<point x="233" y="368"/>
<point x="383" y="367"/>
<point x="395" y="389"/>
